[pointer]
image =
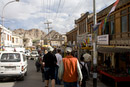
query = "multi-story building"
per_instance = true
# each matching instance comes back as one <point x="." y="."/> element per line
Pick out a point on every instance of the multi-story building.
<point x="17" y="41"/>
<point x="6" y="36"/>
<point x="72" y="38"/>
<point x="55" y="39"/>
<point x="84" y="36"/>
<point x="113" y="40"/>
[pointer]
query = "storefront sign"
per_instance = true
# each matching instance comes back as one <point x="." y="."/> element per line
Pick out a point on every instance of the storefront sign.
<point x="103" y="39"/>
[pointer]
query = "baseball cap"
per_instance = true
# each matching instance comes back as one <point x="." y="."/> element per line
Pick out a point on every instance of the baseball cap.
<point x="50" y="49"/>
<point x="68" y="49"/>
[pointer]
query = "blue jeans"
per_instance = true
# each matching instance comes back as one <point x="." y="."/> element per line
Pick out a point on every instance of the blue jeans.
<point x="56" y="75"/>
<point x="71" y="84"/>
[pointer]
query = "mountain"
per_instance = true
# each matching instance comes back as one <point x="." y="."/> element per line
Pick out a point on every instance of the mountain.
<point x="34" y="34"/>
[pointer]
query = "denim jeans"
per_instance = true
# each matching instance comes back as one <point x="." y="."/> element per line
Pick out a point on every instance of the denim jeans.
<point x="71" y="84"/>
<point x="56" y="75"/>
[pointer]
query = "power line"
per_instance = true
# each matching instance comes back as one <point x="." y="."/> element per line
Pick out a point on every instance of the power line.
<point x="58" y="8"/>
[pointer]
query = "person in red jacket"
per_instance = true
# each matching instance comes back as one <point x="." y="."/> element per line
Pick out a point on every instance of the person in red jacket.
<point x="69" y="70"/>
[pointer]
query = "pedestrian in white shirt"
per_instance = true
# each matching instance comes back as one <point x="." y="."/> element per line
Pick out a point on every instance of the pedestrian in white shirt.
<point x="59" y="59"/>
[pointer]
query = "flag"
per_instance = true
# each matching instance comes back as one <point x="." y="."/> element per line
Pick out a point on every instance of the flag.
<point x="114" y="6"/>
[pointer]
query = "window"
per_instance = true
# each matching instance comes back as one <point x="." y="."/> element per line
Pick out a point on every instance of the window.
<point x="10" y="57"/>
<point x="107" y="28"/>
<point x="12" y="39"/>
<point x="124" y="21"/>
<point x="24" y="57"/>
<point x="112" y="25"/>
<point x="8" y="37"/>
<point x="16" y="40"/>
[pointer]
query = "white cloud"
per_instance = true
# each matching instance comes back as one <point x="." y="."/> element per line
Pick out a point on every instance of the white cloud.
<point x="33" y="13"/>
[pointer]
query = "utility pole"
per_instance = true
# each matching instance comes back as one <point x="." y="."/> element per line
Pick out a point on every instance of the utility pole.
<point x="48" y="27"/>
<point x="94" y="47"/>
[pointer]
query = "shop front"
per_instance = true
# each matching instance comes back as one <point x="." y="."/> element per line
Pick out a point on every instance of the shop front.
<point x="84" y="44"/>
<point x="114" y="63"/>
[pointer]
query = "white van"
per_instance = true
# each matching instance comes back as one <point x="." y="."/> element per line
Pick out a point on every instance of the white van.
<point x="13" y="64"/>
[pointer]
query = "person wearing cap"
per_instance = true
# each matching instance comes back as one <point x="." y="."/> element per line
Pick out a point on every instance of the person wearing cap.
<point x="69" y="70"/>
<point x="49" y="69"/>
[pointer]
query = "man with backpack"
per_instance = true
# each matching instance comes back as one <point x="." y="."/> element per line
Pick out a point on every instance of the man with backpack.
<point x="84" y="69"/>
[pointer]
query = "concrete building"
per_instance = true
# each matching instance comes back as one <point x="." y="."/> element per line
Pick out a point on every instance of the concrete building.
<point x="6" y="36"/>
<point x="17" y="41"/>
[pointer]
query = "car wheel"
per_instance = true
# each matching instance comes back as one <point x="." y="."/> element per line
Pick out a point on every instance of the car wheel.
<point x="26" y="73"/>
<point x="21" y="78"/>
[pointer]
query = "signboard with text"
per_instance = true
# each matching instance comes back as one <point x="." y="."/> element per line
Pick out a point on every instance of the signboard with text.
<point x="103" y="39"/>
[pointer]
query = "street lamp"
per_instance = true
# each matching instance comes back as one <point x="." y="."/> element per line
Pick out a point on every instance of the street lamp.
<point x="2" y="18"/>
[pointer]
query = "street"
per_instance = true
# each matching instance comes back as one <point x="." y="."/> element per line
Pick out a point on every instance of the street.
<point x="34" y="79"/>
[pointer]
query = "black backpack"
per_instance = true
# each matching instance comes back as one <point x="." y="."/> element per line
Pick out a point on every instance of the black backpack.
<point x="84" y="72"/>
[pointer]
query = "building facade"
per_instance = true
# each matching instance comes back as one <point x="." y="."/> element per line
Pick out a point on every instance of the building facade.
<point x="72" y="38"/>
<point x="113" y="40"/>
<point x="17" y="41"/>
<point x="6" y="36"/>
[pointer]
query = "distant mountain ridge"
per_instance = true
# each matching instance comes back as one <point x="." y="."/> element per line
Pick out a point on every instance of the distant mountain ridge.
<point x="34" y="34"/>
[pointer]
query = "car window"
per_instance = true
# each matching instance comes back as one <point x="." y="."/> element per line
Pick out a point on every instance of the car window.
<point x="24" y="57"/>
<point x="10" y="57"/>
<point x="34" y="52"/>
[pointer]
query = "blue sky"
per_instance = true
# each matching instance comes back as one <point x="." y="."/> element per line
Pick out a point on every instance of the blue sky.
<point x="28" y="14"/>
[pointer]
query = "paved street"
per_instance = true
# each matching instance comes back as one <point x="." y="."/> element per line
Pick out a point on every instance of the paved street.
<point x="33" y="79"/>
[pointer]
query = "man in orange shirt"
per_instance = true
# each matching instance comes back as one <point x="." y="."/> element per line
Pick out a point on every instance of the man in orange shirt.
<point x="69" y="70"/>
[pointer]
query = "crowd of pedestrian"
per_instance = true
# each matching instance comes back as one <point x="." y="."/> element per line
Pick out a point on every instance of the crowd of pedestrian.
<point x="68" y="70"/>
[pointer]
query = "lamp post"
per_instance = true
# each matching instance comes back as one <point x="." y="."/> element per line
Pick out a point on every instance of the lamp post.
<point x="2" y="18"/>
<point x="94" y="47"/>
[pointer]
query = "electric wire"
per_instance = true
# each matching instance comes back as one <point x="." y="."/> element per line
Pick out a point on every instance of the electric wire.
<point x="58" y="8"/>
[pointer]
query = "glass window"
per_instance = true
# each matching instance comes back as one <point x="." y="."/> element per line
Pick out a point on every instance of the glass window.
<point x="12" y="39"/>
<point x="124" y="12"/>
<point x="124" y="23"/>
<point x="24" y="57"/>
<point x="112" y="26"/>
<point x="10" y="57"/>
<point x="16" y="40"/>
<point x="107" y="28"/>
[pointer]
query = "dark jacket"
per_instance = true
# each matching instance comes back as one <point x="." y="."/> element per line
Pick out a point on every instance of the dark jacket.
<point x="50" y="60"/>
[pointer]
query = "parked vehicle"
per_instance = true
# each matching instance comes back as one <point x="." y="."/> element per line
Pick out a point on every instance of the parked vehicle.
<point x="27" y="53"/>
<point x="34" y="55"/>
<point x="13" y="64"/>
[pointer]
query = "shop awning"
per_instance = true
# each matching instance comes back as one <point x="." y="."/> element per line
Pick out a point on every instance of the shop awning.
<point x="115" y="49"/>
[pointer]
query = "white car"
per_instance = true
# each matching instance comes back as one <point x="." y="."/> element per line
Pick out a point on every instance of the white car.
<point x="34" y="55"/>
<point x="27" y="53"/>
<point x="13" y="64"/>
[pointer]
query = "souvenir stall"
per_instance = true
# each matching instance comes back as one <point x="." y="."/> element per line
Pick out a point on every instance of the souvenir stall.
<point x="114" y="63"/>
